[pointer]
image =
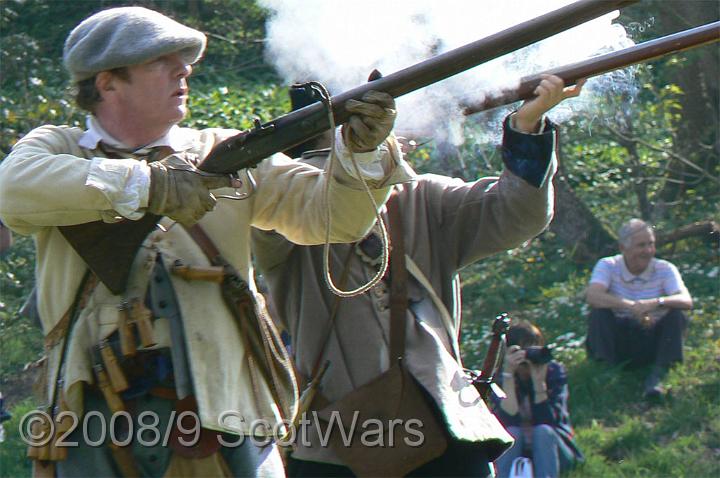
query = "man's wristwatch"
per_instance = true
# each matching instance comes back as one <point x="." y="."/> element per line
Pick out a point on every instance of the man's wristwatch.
<point x="661" y="301"/>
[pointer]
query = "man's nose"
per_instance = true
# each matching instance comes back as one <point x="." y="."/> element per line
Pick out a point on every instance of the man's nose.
<point x="184" y="70"/>
<point x="180" y="68"/>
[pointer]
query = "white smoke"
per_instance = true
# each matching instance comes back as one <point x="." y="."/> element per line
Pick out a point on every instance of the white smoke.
<point x="339" y="42"/>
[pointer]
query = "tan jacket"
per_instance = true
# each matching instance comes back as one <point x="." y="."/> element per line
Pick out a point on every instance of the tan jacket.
<point x="449" y="224"/>
<point x="42" y="185"/>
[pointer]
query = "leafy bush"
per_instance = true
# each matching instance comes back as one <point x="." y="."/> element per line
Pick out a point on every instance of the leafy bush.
<point x="13" y="449"/>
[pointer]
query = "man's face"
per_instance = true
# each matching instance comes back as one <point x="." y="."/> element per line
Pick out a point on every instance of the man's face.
<point x="156" y="92"/>
<point x="640" y="251"/>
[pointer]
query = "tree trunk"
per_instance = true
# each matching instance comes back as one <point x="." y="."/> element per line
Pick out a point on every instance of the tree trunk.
<point x="576" y="227"/>
<point x="698" y="135"/>
<point x="194" y="8"/>
<point x="707" y="230"/>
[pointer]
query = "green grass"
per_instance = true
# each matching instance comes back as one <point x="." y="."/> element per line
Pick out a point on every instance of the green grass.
<point x="621" y="434"/>
<point x="625" y="436"/>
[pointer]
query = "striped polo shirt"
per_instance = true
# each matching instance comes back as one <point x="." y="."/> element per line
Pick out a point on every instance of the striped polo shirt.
<point x="660" y="278"/>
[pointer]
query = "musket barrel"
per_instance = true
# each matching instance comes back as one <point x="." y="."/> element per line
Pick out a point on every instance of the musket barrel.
<point x="300" y="125"/>
<point x="598" y="65"/>
<point x="481" y="51"/>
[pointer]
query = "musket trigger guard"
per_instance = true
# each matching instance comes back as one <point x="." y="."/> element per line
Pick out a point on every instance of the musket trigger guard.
<point x="239" y="196"/>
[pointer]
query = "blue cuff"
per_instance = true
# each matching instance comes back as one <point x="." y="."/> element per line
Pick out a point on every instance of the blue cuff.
<point x="528" y="155"/>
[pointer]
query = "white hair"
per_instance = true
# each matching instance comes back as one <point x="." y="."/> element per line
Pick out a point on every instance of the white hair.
<point x="630" y="228"/>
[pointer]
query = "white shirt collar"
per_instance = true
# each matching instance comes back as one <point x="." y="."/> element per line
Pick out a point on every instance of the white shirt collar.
<point x="175" y="138"/>
<point x="644" y="276"/>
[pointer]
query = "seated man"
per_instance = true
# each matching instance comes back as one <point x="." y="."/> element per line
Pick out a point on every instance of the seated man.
<point x="637" y="303"/>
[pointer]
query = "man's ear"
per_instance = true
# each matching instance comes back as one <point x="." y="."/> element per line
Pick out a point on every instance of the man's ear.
<point x="105" y="81"/>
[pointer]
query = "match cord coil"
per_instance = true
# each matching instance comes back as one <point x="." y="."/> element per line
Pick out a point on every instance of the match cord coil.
<point x="326" y="100"/>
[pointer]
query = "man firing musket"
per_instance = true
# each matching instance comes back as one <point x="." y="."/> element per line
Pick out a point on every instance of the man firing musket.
<point x="181" y="345"/>
<point x="395" y="348"/>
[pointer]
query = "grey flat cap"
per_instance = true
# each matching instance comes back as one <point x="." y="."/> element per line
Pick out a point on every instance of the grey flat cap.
<point x="127" y="36"/>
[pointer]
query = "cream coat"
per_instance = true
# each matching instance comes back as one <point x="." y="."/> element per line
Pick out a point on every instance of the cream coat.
<point x="42" y="185"/>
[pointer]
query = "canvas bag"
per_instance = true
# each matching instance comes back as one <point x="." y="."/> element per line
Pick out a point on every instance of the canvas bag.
<point x="394" y="395"/>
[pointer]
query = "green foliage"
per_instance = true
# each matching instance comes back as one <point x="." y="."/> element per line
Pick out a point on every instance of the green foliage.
<point x="236" y="31"/>
<point x="34" y="85"/>
<point x="617" y="178"/>
<point x="621" y="159"/>
<point x="20" y="340"/>
<point x="11" y="451"/>
<point x="234" y="106"/>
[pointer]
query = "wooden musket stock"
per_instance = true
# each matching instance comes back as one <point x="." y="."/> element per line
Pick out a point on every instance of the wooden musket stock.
<point x="485" y="380"/>
<point x="598" y="65"/>
<point x="109" y="249"/>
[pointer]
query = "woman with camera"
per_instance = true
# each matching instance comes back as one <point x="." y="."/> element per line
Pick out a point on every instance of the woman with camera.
<point x="535" y="411"/>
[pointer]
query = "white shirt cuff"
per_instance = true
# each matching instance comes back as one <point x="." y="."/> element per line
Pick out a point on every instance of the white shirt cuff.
<point x="540" y="130"/>
<point x="369" y="164"/>
<point x="124" y="182"/>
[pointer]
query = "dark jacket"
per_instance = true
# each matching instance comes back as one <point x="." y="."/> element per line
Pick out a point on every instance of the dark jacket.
<point x="553" y="411"/>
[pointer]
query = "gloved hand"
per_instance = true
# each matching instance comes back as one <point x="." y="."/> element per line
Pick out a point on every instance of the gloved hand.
<point x="181" y="192"/>
<point x="371" y="122"/>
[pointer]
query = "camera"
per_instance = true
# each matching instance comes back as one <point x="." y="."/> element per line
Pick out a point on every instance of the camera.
<point x="538" y="355"/>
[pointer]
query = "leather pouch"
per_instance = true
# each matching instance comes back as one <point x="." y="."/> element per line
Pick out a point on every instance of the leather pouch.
<point x="388" y="426"/>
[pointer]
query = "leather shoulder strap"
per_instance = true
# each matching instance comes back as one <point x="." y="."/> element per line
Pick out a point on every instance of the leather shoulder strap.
<point x="205" y="243"/>
<point x="258" y="333"/>
<point x="58" y="334"/>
